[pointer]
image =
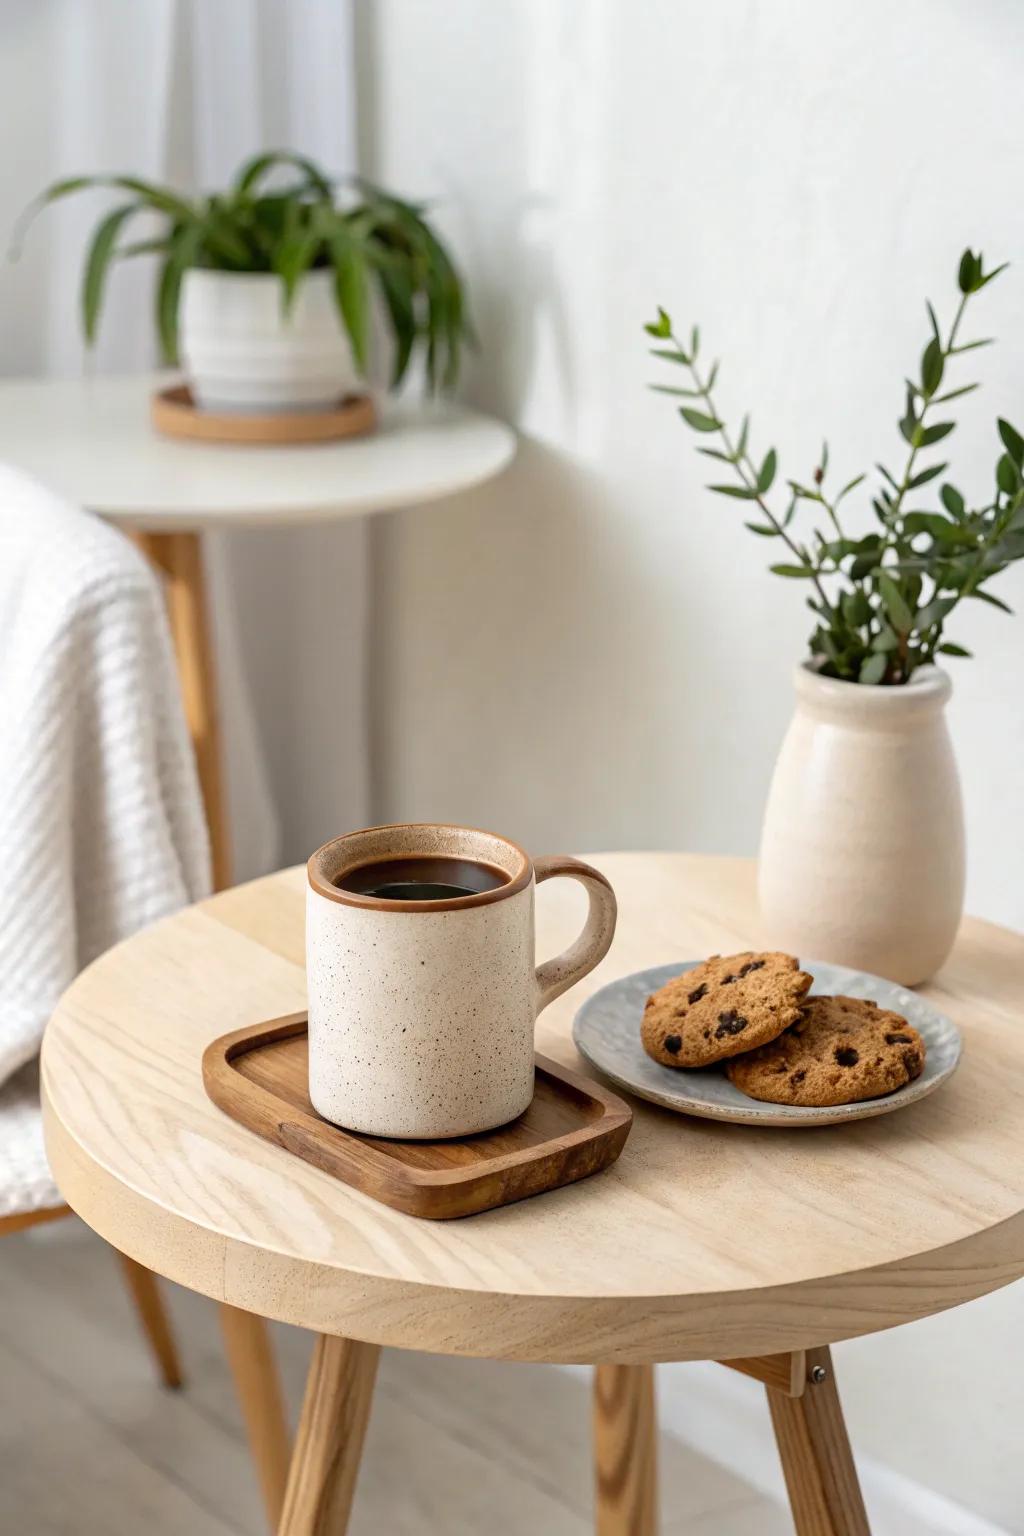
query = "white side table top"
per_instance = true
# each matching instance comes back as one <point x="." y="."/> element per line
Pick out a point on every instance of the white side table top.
<point x="91" y="441"/>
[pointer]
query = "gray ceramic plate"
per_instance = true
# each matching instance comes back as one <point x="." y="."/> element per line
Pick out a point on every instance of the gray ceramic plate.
<point x="607" y="1032"/>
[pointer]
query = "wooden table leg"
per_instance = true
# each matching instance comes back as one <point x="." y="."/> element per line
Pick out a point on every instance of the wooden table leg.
<point x="335" y="1412"/>
<point x="179" y="557"/>
<point x="251" y="1358"/>
<point x="824" y="1492"/>
<point x="625" y="1450"/>
<point x="149" y="1304"/>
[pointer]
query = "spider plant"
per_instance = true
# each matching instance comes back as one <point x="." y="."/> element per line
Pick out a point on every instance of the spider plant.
<point x="367" y="237"/>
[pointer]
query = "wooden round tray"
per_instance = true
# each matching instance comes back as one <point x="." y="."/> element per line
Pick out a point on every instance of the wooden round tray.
<point x="174" y="412"/>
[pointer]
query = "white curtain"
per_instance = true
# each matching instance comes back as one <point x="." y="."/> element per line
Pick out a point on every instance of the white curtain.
<point x="184" y="90"/>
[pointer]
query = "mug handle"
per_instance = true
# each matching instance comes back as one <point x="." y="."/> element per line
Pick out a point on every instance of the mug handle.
<point x="556" y="976"/>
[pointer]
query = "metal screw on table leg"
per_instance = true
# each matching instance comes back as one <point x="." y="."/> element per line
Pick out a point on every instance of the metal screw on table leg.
<point x="818" y="1374"/>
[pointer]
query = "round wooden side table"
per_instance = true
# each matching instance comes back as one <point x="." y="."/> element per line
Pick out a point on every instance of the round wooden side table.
<point x="754" y="1247"/>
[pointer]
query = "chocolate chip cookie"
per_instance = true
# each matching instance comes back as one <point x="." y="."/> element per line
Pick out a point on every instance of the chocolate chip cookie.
<point x="725" y="1005"/>
<point x="840" y="1051"/>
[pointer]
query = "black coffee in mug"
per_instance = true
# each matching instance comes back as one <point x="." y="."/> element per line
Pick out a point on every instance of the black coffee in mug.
<point x="426" y="877"/>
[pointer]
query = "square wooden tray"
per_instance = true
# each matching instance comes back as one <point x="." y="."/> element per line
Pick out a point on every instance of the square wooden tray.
<point x="573" y="1128"/>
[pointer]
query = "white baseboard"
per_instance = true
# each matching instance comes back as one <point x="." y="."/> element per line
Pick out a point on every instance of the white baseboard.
<point x="714" y="1410"/>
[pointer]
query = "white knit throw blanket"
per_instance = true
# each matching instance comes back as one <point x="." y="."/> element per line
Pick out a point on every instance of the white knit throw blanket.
<point x="101" y="822"/>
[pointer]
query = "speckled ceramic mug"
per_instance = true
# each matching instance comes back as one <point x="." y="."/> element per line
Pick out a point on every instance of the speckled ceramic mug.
<point x="421" y="1013"/>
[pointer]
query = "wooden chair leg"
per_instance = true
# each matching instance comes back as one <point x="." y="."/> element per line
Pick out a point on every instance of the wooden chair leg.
<point x="335" y="1412"/>
<point x="251" y="1358"/>
<point x="625" y="1450"/>
<point x="149" y="1304"/>
<point x="821" y="1478"/>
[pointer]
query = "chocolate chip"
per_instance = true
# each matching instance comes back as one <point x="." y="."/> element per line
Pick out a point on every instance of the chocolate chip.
<point x="673" y="1044"/>
<point x="726" y="980"/>
<point x="751" y="965"/>
<point x="912" y="1062"/>
<point x="697" y="993"/>
<point x="898" y="1040"/>
<point x="846" y="1056"/>
<point x="798" y="1077"/>
<point x="730" y="1023"/>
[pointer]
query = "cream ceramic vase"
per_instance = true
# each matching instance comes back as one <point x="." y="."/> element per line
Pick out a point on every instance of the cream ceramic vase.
<point x="241" y="352"/>
<point x="862" y="851"/>
<point x="421" y="1013"/>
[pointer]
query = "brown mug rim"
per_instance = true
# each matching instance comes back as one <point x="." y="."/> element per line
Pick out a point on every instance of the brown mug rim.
<point x="512" y="886"/>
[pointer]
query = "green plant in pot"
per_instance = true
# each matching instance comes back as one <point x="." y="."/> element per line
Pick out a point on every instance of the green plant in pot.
<point x="862" y="853"/>
<point x="266" y="292"/>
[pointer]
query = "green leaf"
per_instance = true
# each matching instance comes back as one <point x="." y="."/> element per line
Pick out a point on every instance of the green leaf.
<point x="792" y="570"/>
<point x="856" y="609"/>
<point x="967" y="273"/>
<point x="922" y="522"/>
<point x="926" y="475"/>
<point x="159" y="198"/>
<point x="1012" y="442"/>
<point x="952" y="500"/>
<point x="947" y="648"/>
<point x="934" y="612"/>
<point x="712" y="376"/>
<point x="351" y="294"/>
<point x="931" y="367"/>
<point x="396" y="286"/>
<point x="954" y="394"/>
<point x="873" y="668"/>
<point x="292" y="261"/>
<point x="990" y="598"/>
<point x="101" y="252"/>
<point x="661" y="327"/>
<point x="767" y="474"/>
<point x="885" y="640"/>
<point x="850" y="486"/>
<point x="764" y="529"/>
<point x="934" y="321"/>
<point x="716" y="453"/>
<point x="972" y="346"/>
<point x="699" y="421"/>
<point x="993" y="274"/>
<point x="694" y="343"/>
<point x="182" y="255"/>
<point x="671" y="355"/>
<point x="254" y="170"/>
<point x="741" y="446"/>
<point x="675" y="389"/>
<point x="1007" y="475"/>
<point x="929" y="435"/>
<point x="895" y="604"/>
<point x="741" y="492"/>
<point x="863" y="564"/>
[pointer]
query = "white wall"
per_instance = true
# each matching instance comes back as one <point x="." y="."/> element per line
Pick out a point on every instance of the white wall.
<point x="589" y="654"/>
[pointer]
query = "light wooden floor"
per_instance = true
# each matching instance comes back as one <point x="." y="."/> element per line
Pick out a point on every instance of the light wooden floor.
<point x="89" y="1444"/>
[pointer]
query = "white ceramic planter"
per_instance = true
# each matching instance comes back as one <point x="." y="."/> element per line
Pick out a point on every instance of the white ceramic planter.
<point x="241" y="352"/>
<point x="862" y="851"/>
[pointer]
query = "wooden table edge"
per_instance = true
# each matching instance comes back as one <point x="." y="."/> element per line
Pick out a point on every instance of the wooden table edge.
<point x="488" y="1324"/>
